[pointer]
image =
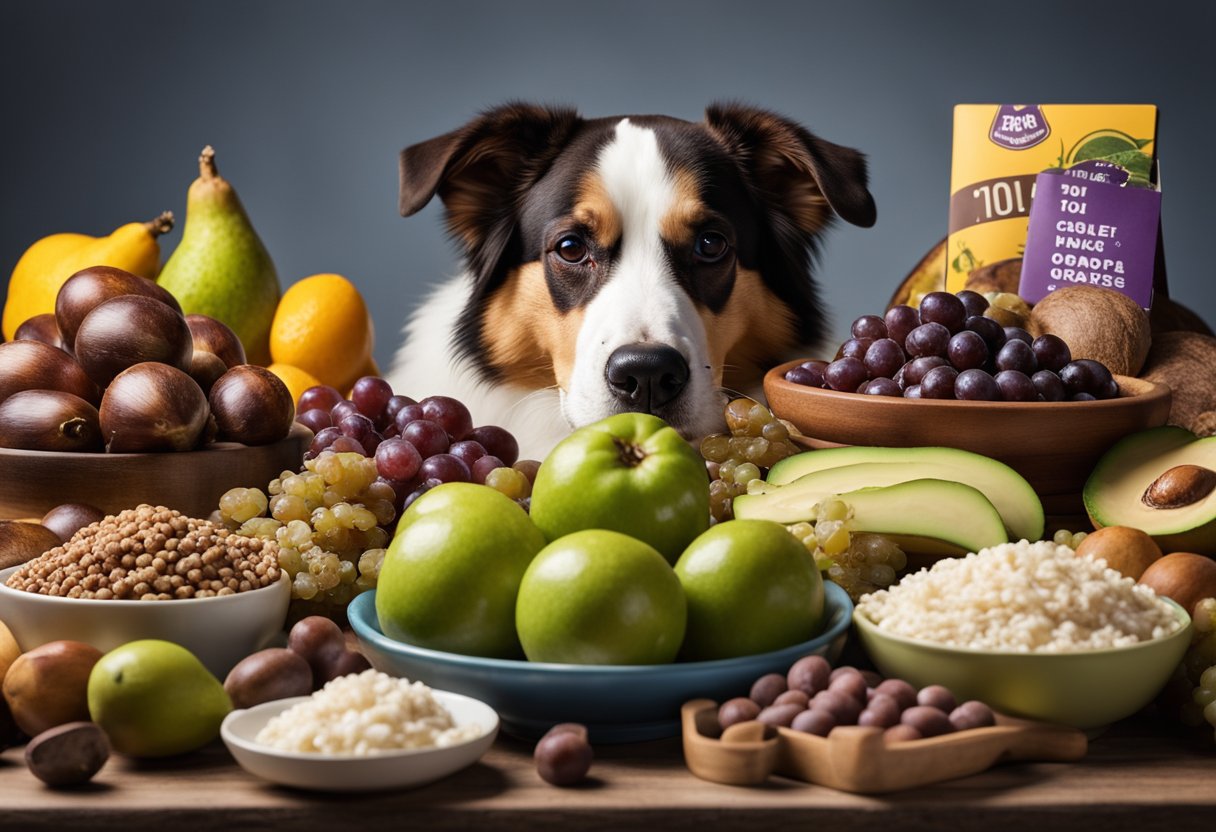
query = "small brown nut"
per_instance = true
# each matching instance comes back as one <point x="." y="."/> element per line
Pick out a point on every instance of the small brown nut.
<point x="274" y="673"/>
<point x="767" y="688"/>
<point x="1180" y="486"/>
<point x="809" y="674"/>
<point x="780" y="715"/>
<point x="792" y="697"/>
<point x="734" y="711"/>
<point x="68" y="755"/>
<point x="563" y="756"/>
<point x="901" y="733"/>
<point x="972" y="714"/>
<point x="926" y="719"/>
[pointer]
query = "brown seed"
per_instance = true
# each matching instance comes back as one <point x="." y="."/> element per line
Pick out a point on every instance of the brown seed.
<point x="1180" y="486"/>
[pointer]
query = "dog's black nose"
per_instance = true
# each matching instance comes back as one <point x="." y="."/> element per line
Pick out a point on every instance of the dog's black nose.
<point x="646" y="376"/>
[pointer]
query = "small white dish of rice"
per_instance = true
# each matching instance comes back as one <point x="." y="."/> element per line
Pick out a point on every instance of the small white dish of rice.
<point x="362" y="732"/>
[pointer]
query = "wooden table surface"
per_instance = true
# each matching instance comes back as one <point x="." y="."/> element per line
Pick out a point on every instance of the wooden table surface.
<point x="1133" y="778"/>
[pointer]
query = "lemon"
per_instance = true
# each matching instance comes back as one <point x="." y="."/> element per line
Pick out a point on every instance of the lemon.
<point x="322" y="327"/>
<point x="1103" y="143"/>
<point x="297" y="380"/>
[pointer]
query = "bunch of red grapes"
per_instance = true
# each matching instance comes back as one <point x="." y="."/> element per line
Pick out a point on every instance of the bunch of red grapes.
<point x="948" y="349"/>
<point x="416" y="444"/>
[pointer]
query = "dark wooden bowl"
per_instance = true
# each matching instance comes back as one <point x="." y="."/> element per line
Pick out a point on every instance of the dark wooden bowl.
<point x="1054" y="445"/>
<point x="34" y="482"/>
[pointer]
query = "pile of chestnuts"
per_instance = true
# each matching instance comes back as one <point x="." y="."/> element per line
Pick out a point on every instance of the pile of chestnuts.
<point x="119" y="368"/>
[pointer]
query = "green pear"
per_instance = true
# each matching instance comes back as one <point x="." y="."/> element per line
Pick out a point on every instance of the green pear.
<point x="220" y="268"/>
<point x="154" y="699"/>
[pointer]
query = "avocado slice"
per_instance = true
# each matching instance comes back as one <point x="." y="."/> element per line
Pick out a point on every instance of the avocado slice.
<point x="926" y="516"/>
<point x="816" y="474"/>
<point x="1182" y="519"/>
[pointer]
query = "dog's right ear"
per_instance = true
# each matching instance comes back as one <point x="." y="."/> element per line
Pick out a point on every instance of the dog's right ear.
<point x="481" y="169"/>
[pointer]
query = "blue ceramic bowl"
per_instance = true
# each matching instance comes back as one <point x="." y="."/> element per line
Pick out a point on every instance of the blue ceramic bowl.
<point x="618" y="703"/>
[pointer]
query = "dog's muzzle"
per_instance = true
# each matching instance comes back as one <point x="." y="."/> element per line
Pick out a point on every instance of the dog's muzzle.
<point x="644" y="377"/>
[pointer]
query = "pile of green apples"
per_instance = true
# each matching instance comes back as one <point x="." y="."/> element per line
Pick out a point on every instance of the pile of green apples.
<point x="616" y="563"/>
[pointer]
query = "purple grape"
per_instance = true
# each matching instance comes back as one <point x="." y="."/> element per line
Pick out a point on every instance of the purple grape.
<point x="1017" y="333"/>
<point x="1017" y="355"/>
<point x="371" y="394"/>
<point x="882" y="387"/>
<point x="973" y="302"/>
<point x="945" y="309"/>
<point x="869" y="326"/>
<point x="927" y="339"/>
<point x="1048" y="385"/>
<point x="898" y="378"/>
<point x="428" y="437"/>
<point x="408" y="413"/>
<point x="467" y="451"/>
<point x="1083" y="397"/>
<point x="341" y="410"/>
<point x="318" y="397"/>
<point x="1110" y="390"/>
<point x="1087" y="376"/>
<point x="324" y="438"/>
<point x="316" y="420"/>
<point x="397" y="460"/>
<point x="988" y="329"/>
<point x="914" y="370"/>
<point x="418" y="492"/>
<point x="804" y="377"/>
<point x="901" y="320"/>
<point x="976" y="386"/>
<point x="371" y="442"/>
<point x="446" y="468"/>
<point x="967" y="350"/>
<point x="451" y="415"/>
<point x="498" y="442"/>
<point x="348" y="445"/>
<point x="845" y="374"/>
<point x="1051" y="352"/>
<point x="884" y="358"/>
<point x="395" y="403"/>
<point x="913" y="391"/>
<point x="356" y="426"/>
<point x="854" y="348"/>
<point x="1016" y="386"/>
<point x="863" y="387"/>
<point x="484" y="466"/>
<point x="938" y="383"/>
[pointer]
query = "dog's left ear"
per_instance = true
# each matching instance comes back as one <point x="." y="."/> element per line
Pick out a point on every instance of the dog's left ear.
<point x="806" y="176"/>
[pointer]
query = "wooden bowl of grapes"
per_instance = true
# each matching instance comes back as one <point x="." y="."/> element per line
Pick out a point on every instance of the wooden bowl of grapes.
<point x="967" y="385"/>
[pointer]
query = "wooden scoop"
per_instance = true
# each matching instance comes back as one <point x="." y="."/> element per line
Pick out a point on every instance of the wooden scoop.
<point x="855" y="759"/>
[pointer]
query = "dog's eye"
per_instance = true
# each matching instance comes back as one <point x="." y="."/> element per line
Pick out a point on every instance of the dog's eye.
<point x="572" y="248"/>
<point x="710" y="247"/>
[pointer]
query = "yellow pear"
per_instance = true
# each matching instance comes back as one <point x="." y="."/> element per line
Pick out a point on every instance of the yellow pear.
<point x="48" y="263"/>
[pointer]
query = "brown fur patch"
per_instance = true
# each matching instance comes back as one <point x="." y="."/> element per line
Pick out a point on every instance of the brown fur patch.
<point x="528" y="341"/>
<point x="753" y="331"/>
<point x="687" y="211"/>
<point x="594" y="209"/>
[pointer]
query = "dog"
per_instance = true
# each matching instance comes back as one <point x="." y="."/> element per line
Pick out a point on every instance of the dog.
<point x="632" y="263"/>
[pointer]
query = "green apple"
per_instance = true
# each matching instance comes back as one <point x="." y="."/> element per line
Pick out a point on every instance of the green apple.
<point x="630" y="473"/>
<point x="751" y="588"/>
<point x="600" y="597"/>
<point x="452" y="572"/>
<point x="155" y="698"/>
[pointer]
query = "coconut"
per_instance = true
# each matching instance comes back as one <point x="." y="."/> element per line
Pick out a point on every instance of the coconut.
<point x="1186" y="361"/>
<point x="1101" y="324"/>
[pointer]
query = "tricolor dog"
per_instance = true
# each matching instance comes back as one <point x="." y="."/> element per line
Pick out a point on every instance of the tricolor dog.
<point x="632" y="263"/>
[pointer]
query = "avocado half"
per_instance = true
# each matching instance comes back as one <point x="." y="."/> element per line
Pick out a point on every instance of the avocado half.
<point x="925" y="516"/>
<point x="1161" y="481"/>
<point x="800" y="481"/>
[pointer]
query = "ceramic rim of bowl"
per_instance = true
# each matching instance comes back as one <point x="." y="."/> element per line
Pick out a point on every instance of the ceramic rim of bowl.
<point x="5" y="589"/>
<point x="864" y="623"/>
<point x="838" y="609"/>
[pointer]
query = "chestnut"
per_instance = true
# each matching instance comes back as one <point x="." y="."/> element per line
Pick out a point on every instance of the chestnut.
<point x="67" y="519"/>
<point x="48" y="420"/>
<point x="206" y="368"/>
<point x="33" y="365"/>
<point x="153" y="407"/>
<point x="215" y="337"/>
<point x="40" y="328"/>
<point x="129" y="330"/>
<point x="85" y="290"/>
<point x="251" y="405"/>
<point x="20" y="542"/>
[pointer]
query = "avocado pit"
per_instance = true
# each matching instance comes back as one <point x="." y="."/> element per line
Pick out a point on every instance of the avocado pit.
<point x="1180" y="486"/>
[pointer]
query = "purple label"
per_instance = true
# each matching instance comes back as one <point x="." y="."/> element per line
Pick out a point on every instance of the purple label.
<point x="1096" y="170"/>
<point x="1018" y="127"/>
<point x="1092" y="233"/>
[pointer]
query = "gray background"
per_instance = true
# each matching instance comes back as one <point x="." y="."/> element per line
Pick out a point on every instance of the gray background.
<point x="106" y="105"/>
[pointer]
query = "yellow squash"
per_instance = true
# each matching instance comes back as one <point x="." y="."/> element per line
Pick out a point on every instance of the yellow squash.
<point x="48" y="263"/>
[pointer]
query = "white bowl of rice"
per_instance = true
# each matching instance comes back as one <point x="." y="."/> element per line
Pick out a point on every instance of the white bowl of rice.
<point x="363" y="732"/>
<point x="1032" y="630"/>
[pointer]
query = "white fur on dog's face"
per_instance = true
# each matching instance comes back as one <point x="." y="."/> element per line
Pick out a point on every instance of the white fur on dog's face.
<point x="640" y="300"/>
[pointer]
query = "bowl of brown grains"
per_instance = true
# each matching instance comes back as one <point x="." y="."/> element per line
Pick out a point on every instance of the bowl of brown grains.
<point x="151" y="572"/>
